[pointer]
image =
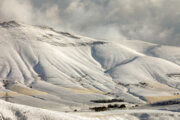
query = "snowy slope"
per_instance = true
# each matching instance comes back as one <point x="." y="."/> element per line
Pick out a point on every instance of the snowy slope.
<point x="9" y="111"/>
<point x="59" y="71"/>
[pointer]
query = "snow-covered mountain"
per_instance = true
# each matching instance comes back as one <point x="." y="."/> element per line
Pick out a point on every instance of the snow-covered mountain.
<point x="59" y="71"/>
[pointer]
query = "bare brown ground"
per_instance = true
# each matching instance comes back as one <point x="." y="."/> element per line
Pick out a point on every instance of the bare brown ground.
<point x="27" y="91"/>
<point x="85" y="91"/>
<point x="152" y="99"/>
<point x="2" y="94"/>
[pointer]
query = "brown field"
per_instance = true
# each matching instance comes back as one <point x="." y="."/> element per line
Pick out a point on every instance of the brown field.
<point x="85" y="91"/>
<point x="159" y="86"/>
<point x="152" y="99"/>
<point x="27" y="91"/>
<point x="2" y="94"/>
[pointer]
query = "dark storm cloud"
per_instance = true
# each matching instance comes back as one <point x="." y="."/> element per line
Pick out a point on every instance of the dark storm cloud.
<point x="149" y="20"/>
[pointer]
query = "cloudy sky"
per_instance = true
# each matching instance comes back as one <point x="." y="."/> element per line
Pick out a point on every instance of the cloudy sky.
<point x="155" y="21"/>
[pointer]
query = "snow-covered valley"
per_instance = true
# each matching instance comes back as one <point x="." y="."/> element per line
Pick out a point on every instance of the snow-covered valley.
<point x="55" y="70"/>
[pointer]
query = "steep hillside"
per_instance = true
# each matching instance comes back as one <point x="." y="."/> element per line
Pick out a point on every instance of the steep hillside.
<point x="60" y="71"/>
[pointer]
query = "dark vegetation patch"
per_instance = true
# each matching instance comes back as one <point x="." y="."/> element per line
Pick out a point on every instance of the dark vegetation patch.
<point x="122" y="106"/>
<point x="98" y="43"/>
<point x="107" y="101"/>
<point x="109" y="93"/>
<point x="169" y="102"/>
<point x="110" y="106"/>
<point x="122" y="84"/>
<point x="176" y="93"/>
<point x="98" y="109"/>
<point x="143" y="84"/>
<point x="140" y="84"/>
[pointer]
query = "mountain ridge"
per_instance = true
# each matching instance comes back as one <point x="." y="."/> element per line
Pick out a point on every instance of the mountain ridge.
<point x="74" y="70"/>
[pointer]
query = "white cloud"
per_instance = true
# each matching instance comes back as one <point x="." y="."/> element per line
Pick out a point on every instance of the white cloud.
<point x="24" y="11"/>
<point x="15" y="9"/>
<point x="149" y="20"/>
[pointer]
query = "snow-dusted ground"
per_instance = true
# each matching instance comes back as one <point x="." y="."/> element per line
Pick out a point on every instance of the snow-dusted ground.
<point x="9" y="111"/>
<point x="59" y="71"/>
